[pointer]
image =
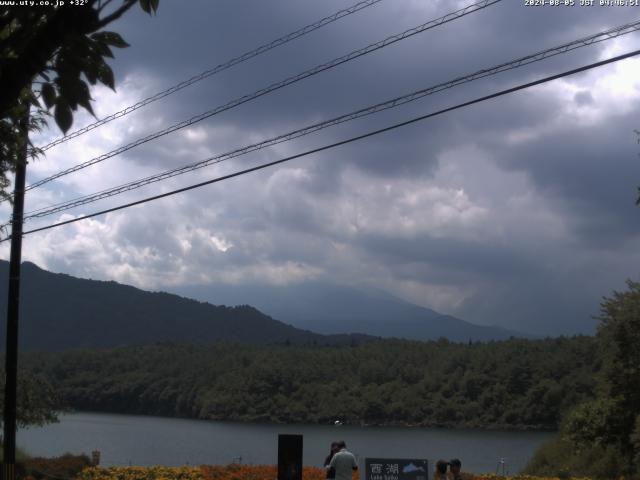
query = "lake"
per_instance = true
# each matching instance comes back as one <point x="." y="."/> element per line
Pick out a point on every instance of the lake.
<point x="142" y="440"/>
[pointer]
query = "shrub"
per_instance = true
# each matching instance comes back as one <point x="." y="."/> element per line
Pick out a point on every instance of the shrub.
<point x="560" y="458"/>
<point x="65" y="466"/>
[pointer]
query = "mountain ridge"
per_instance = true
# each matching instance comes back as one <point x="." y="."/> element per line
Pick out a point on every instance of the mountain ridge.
<point x="333" y="309"/>
<point x="59" y="311"/>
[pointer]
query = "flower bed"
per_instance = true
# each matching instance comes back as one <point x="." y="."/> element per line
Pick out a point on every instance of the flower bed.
<point x="235" y="472"/>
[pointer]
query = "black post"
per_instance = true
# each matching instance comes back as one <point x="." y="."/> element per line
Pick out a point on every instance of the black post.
<point x="13" y="305"/>
<point x="289" y="457"/>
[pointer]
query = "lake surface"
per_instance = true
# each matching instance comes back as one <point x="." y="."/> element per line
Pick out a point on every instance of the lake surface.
<point x="141" y="440"/>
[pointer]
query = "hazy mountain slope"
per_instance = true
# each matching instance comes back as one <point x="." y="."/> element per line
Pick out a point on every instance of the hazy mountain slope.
<point x="329" y="309"/>
<point x="60" y="311"/>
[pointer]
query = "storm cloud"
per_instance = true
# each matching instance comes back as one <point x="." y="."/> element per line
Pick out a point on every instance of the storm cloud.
<point x="517" y="212"/>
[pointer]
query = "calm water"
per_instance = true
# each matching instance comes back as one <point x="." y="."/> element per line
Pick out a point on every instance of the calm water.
<point x="138" y="440"/>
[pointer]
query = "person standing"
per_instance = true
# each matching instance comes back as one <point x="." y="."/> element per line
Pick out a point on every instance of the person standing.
<point x="440" y="472"/>
<point x="343" y="462"/>
<point x="331" y="472"/>
<point x="455" y="466"/>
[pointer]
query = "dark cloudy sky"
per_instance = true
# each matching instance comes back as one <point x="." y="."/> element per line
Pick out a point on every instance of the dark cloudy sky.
<point x="518" y="212"/>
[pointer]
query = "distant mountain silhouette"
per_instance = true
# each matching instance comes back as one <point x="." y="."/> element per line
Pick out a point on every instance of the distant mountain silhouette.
<point x="59" y="312"/>
<point x="333" y="309"/>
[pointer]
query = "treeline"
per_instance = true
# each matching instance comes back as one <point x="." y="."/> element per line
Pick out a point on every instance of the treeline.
<point x="514" y="384"/>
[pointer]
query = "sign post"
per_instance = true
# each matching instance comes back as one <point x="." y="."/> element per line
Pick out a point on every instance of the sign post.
<point x="289" y="457"/>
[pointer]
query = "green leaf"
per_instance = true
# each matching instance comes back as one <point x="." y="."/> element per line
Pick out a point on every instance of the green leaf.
<point x="31" y="98"/>
<point x="68" y="89"/>
<point x="146" y="5"/>
<point x="110" y="38"/>
<point x="84" y="97"/>
<point x="91" y="71"/>
<point x="104" y="50"/>
<point x="149" y="6"/>
<point x="48" y="94"/>
<point x="99" y="49"/>
<point x="63" y="115"/>
<point x="105" y="75"/>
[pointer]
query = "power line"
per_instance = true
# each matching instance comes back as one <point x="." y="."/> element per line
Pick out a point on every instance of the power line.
<point x="217" y="69"/>
<point x="342" y="142"/>
<point x="276" y="86"/>
<point x="526" y="60"/>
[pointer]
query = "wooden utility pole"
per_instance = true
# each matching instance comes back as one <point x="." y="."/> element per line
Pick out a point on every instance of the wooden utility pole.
<point x="13" y="308"/>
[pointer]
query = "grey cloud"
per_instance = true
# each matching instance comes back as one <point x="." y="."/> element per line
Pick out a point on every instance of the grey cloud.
<point x="539" y="269"/>
<point x="583" y="98"/>
<point x="593" y="173"/>
<point x="432" y="56"/>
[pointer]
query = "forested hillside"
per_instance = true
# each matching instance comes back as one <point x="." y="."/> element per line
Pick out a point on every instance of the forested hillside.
<point x="514" y="384"/>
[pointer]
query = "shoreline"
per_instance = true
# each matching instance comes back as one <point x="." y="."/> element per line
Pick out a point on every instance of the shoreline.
<point x="387" y="425"/>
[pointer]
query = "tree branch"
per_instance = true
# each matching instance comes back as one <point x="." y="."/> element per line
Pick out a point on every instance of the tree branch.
<point x="17" y="73"/>
<point x="127" y="4"/>
<point x="102" y="6"/>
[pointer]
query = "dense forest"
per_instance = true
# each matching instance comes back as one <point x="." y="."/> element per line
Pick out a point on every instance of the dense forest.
<point x="513" y="384"/>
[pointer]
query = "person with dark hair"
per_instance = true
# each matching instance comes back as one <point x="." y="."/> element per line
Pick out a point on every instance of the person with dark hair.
<point x="441" y="470"/>
<point x="454" y="469"/>
<point x="343" y="462"/>
<point x="331" y="472"/>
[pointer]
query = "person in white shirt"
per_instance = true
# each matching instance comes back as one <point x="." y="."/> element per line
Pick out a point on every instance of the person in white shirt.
<point x="343" y="462"/>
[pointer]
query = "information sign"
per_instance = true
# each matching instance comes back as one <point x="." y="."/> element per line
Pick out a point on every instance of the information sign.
<point x="396" y="469"/>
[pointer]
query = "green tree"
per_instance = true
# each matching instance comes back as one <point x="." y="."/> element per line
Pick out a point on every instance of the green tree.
<point x="592" y="423"/>
<point x="604" y="433"/>
<point x="37" y="401"/>
<point x="635" y="441"/>
<point x="47" y="56"/>
<point x="619" y="338"/>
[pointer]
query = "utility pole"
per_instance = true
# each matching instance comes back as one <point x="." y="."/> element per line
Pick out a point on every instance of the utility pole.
<point x="13" y="307"/>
